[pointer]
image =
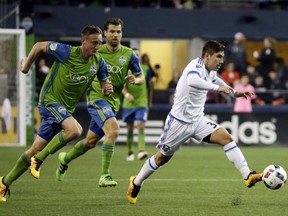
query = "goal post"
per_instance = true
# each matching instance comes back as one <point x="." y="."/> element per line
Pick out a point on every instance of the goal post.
<point x="13" y="101"/>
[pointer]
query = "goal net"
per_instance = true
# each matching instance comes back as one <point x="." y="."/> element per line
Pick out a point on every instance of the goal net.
<point x="12" y="88"/>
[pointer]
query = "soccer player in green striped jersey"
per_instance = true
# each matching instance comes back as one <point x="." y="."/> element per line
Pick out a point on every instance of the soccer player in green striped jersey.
<point x="71" y="74"/>
<point x="135" y="111"/>
<point x="120" y="60"/>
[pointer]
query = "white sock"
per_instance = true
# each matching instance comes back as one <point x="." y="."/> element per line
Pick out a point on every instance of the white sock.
<point x="148" y="168"/>
<point x="235" y="155"/>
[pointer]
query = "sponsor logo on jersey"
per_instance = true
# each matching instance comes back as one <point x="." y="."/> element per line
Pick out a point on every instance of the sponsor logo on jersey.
<point x="53" y="46"/>
<point x="114" y="69"/>
<point x="93" y="70"/>
<point x="62" y="110"/>
<point x="122" y="60"/>
<point x="77" y="78"/>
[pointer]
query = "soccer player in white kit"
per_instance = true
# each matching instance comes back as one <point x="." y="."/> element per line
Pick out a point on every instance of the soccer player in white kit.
<point x="186" y="119"/>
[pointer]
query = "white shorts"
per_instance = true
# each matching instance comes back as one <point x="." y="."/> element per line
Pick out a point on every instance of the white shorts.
<point x="176" y="132"/>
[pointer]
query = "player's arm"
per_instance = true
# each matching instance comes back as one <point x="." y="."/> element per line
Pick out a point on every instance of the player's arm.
<point x="244" y="94"/>
<point x="103" y="77"/>
<point x="194" y="80"/>
<point x="107" y="87"/>
<point x="221" y="82"/>
<point x="135" y="79"/>
<point x="38" y="48"/>
<point x="126" y="94"/>
<point x="140" y="79"/>
<point x="234" y="93"/>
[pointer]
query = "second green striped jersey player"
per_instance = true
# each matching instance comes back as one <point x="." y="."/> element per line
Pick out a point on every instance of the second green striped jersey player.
<point x="118" y="65"/>
<point x="120" y="60"/>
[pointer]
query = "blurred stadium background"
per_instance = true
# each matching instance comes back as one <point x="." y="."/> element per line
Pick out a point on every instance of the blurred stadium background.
<point x="171" y="32"/>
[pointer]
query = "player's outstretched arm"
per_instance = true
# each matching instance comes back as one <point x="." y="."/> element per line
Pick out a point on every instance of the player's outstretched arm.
<point x="107" y="87"/>
<point x="34" y="52"/>
<point x="225" y="90"/>
<point x="244" y="94"/>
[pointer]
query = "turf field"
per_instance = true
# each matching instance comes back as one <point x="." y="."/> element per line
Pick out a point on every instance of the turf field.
<point x="197" y="181"/>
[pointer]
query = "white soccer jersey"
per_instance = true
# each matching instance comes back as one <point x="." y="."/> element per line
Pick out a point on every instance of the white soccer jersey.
<point x="189" y="100"/>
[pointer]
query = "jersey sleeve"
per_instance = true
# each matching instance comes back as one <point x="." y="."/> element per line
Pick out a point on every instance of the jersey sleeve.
<point x="102" y="73"/>
<point x="221" y="82"/>
<point x="134" y="65"/>
<point x="60" y="51"/>
<point x="194" y="80"/>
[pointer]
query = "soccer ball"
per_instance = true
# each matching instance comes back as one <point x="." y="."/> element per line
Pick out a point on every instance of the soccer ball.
<point x="274" y="177"/>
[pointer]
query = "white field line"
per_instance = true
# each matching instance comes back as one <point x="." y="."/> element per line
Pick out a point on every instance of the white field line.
<point x="150" y="180"/>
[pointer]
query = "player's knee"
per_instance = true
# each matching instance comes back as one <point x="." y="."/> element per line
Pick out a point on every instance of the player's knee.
<point x="220" y="136"/>
<point x="227" y="139"/>
<point x="112" y="134"/>
<point x="139" y="125"/>
<point x="73" y="134"/>
<point x="130" y="127"/>
<point x="79" y="130"/>
<point x="91" y="140"/>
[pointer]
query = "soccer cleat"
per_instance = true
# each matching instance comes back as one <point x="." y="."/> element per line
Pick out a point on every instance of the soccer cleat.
<point x="3" y="190"/>
<point x="142" y="155"/>
<point x="130" y="157"/>
<point x="132" y="191"/>
<point x="107" y="181"/>
<point x="35" y="167"/>
<point x="252" y="179"/>
<point x="62" y="167"/>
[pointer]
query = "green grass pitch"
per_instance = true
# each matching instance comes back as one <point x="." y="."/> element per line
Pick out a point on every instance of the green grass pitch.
<point x="199" y="180"/>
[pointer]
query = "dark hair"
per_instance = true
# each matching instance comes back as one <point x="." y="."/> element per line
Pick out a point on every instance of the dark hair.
<point x="212" y="47"/>
<point x="113" y="21"/>
<point x="91" y="29"/>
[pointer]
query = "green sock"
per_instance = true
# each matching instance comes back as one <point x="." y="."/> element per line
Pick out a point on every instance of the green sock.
<point x="53" y="146"/>
<point x="130" y="139"/>
<point x="22" y="164"/>
<point x="107" y="154"/>
<point x="141" y="141"/>
<point x="78" y="149"/>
